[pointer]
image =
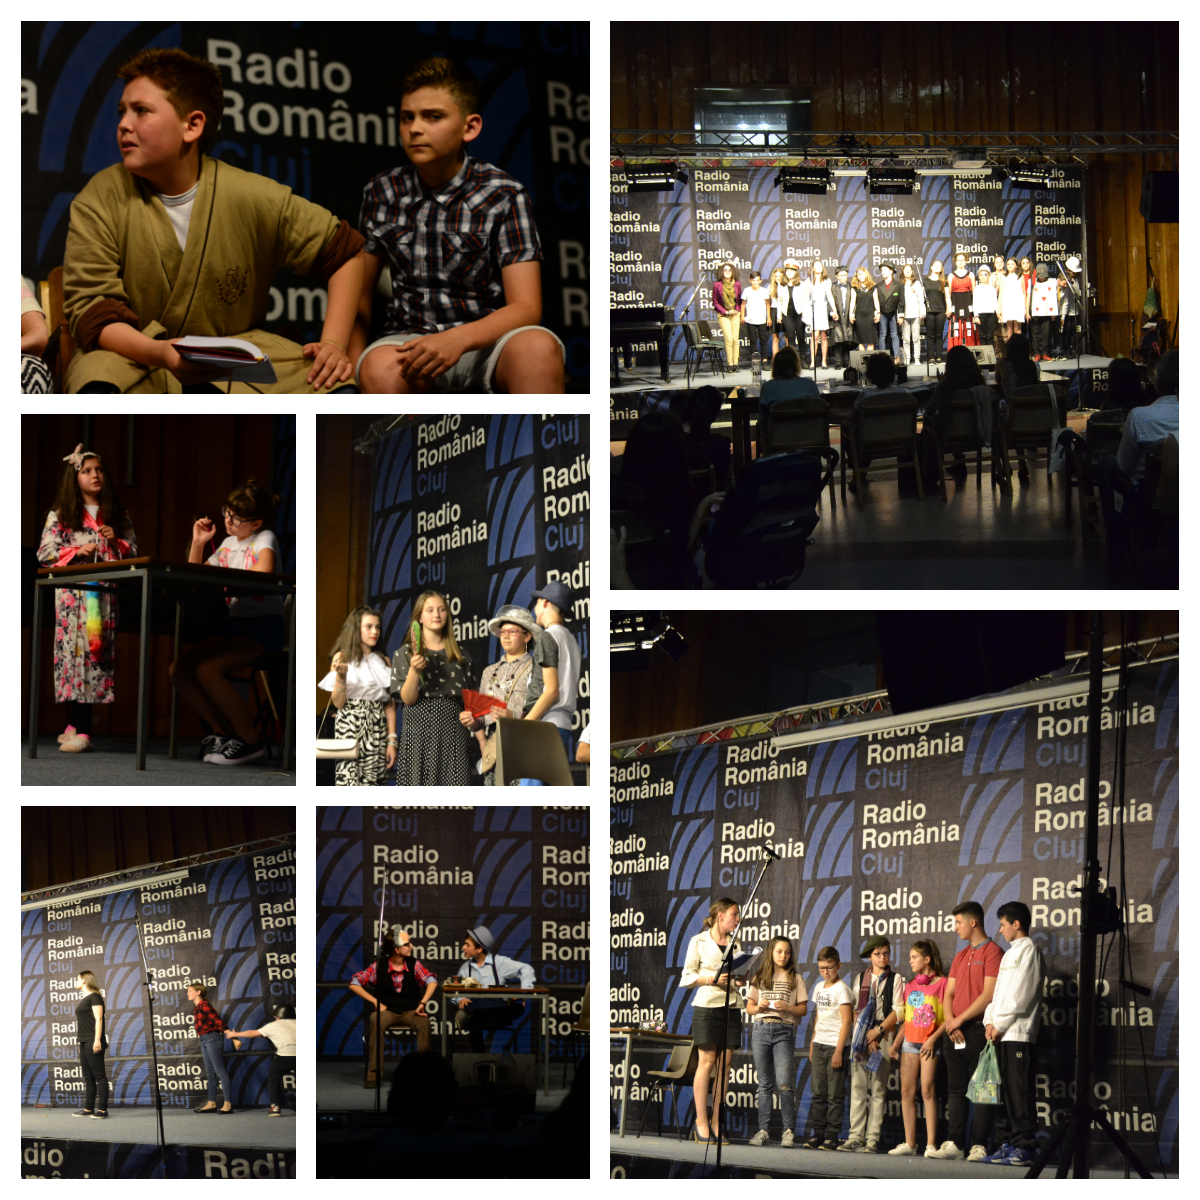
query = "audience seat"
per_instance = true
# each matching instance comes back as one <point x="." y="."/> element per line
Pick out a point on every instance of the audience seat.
<point x="884" y="426"/>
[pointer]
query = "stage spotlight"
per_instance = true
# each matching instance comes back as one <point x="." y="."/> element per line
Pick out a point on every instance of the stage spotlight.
<point x="1029" y="176"/>
<point x="848" y="143"/>
<point x="632" y="635"/>
<point x="891" y="181"/>
<point x="809" y="181"/>
<point x="652" y="177"/>
<point x="674" y="643"/>
<point x="970" y="160"/>
<point x="681" y="176"/>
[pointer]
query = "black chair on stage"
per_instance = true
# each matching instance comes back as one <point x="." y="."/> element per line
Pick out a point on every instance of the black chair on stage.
<point x="759" y="537"/>
<point x="578" y="1034"/>
<point x="679" y="1071"/>
<point x="700" y="344"/>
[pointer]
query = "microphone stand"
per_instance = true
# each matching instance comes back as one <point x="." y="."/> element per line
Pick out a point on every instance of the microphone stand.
<point x="722" y="1050"/>
<point x="1075" y="292"/>
<point x="377" y="1016"/>
<point x="157" y="1091"/>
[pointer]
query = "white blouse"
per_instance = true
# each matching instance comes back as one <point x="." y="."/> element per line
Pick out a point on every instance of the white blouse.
<point x="366" y="680"/>
<point x="703" y="958"/>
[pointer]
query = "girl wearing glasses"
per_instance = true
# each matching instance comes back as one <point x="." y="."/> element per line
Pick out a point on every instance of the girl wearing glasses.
<point x="252" y="626"/>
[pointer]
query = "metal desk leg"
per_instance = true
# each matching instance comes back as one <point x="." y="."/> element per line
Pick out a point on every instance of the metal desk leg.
<point x="143" y="673"/>
<point x="289" y="702"/>
<point x="546" y="1046"/>
<point x="625" y="1082"/>
<point x="35" y="678"/>
<point x="174" y="693"/>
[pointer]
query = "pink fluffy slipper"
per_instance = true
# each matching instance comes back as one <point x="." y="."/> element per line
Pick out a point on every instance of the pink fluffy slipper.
<point x="76" y="744"/>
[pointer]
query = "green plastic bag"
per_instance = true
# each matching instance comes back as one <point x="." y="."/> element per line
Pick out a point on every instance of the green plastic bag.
<point x="984" y="1087"/>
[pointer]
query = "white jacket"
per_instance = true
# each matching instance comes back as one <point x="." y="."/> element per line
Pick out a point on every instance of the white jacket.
<point x="1015" y="1009"/>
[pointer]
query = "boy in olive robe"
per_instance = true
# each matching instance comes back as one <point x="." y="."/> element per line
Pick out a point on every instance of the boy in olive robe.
<point x="172" y="243"/>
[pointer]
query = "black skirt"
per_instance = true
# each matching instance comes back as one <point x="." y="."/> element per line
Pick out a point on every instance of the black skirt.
<point x="706" y="1026"/>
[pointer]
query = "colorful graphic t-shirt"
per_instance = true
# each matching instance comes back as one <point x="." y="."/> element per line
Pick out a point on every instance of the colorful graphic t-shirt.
<point x="923" y="1008"/>
<point x="243" y="555"/>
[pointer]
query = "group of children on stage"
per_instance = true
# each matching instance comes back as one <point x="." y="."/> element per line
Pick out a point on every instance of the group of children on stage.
<point x="859" y="1031"/>
<point x="804" y="311"/>
<point x="87" y="524"/>
<point x="537" y="679"/>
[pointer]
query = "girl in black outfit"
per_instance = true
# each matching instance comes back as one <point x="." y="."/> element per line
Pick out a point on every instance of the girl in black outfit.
<point x="866" y="308"/>
<point x="935" y="312"/>
<point x="89" y="1032"/>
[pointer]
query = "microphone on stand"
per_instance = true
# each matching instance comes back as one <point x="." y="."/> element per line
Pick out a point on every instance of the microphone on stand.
<point x="769" y="851"/>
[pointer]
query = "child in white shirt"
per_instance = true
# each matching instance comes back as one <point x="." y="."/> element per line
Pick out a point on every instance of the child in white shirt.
<point x="828" y="1052"/>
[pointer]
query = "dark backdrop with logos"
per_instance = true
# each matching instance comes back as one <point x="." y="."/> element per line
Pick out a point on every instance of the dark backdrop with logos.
<point x="230" y="925"/>
<point x="887" y="833"/>
<point x="484" y="509"/>
<point x="664" y="243"/>
<point x="524" y="872"/>
<point x="314" y="106"/>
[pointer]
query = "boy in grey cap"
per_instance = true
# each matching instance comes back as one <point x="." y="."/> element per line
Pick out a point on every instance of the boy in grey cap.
<point x="477" y="1013"/>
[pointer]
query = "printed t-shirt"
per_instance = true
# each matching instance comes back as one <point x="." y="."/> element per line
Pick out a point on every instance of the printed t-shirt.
<point x="923" y="1009"/>
<point x="829" y="998"/>
<point x="243" y="555"/>
<point x="779" y="990"/>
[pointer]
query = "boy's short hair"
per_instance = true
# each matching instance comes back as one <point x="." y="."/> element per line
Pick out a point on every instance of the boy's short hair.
<point x="1015" y="913"/>
<point x="970" y="908"/>
<point x="188" y="82"/>
<point x="829" y="954"/>
<point x="755" y="274"/>
<point x="446" y="73"/>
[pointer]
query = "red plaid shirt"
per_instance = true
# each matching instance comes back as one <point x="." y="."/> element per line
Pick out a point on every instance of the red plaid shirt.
<point x="206" y="1019"/>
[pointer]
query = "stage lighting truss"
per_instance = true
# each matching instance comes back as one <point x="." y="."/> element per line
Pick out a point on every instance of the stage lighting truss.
<point x="891" y="181"/>
<point x="1028" y="176"/>
<point x="654" y="177"/>
<point x="807" y="181"/>
<point x="844" y="152"/>
<point x="642" y="631"/>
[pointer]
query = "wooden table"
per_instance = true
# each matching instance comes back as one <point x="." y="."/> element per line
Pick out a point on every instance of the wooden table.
<point x="536" y="994"/>
<point x="643" y="1037"/>
<point x="177" y="578"/>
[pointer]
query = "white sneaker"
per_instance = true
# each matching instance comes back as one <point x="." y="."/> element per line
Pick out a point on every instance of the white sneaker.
<point x="759" y="1139"/>
<point x="788" y="1139"/>
<point x="978" y="1154"/>
<point x="945" y="1150"/>
<point x="904" y="1150"/>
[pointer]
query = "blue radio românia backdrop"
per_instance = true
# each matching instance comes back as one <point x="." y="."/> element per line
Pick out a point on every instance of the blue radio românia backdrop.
<point x="524" y="872"/>
<point x="483" y="509"/>
<point x="230" y="925"/>
<point x="886" y="833"/>
<point x="314" y="107"/>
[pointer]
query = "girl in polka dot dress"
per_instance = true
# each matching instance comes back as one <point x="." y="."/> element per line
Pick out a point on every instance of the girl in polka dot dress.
<point x="428" y="680"/>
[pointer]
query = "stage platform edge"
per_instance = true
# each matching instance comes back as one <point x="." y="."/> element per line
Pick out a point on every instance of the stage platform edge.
<point x="69" y="1158"/>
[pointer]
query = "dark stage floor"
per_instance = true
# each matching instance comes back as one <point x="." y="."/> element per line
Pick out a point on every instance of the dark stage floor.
<point x="243" y="1127"/>
<point x="112" y="762"/>
<point x="665" y="1157"/>
<point x="340" y="1088"/>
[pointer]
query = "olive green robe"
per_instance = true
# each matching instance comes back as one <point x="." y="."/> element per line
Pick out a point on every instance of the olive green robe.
<point x="244" y="229"/>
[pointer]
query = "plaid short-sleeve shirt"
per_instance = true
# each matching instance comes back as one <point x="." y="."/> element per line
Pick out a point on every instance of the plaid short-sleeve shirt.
<point x="447" y="247"/>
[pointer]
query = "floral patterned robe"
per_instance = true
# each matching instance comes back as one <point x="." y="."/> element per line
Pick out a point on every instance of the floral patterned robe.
<point x="80" y="674"/>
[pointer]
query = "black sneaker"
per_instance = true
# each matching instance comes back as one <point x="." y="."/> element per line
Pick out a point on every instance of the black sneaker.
<point x="815" y="1142"/>
<point x="82" y="1112"/>
<point x="99" y="1116"/>
<point x="211" y="745"/>
<point x="234" y="751"/>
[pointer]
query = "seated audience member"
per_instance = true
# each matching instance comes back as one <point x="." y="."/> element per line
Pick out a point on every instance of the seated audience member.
<point x="171" y="243"/>
<point x="1128" y="387"/>
<point x="1018" y="368"/>
<point x="703" y="447"/>
<point x="880" y="370"/>
<point x="35" y="375"/>
<point x="785" y="383"/>
<point x="962" y="374"/>
<point x="465" y="259"/>
<point x="1119" y="478"/>
<point x="583" y="752"/>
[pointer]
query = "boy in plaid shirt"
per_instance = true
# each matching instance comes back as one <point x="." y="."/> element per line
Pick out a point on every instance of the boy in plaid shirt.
<point x="464" y="254"/>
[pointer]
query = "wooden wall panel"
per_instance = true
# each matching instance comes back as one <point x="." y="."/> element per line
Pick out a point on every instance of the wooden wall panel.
<point x="183" y="466"/>
<point x="61" y="845"/>
<point x="969" y="76"/>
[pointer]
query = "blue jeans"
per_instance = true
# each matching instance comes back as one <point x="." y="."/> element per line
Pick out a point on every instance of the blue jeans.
<point x="212" y="1048"/>
<point x="774" y="1045"/>
<point x="889" y="327"/>
<point x="565" y="734"/>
